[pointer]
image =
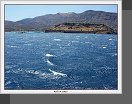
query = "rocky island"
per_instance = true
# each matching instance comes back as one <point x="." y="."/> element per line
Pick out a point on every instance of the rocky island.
<point x="81" y="28"/>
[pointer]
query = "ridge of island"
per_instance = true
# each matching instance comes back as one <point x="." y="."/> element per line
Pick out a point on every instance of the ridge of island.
<point x="81" y="28"/>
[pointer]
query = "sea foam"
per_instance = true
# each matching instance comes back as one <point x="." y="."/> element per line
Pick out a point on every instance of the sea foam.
<point x="57" y="73"/>
<point x="57" y="39"/>
<point x="50" y="63"/>
<point x="49" y="55"/>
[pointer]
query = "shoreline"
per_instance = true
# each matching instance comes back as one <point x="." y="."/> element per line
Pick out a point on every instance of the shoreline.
<point x="87" y="32"/>
<point x="58" y="32"/>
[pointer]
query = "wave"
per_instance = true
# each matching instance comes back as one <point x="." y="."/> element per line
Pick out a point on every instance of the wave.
<point x="49" y="55"/>
<point x="115" y="54"/>
<point x="7" y="83"/>
<point x="77" y="36"/>
<point x="7" y="71"/>
<point x="19" y="70"/>
<point x="28" y="44"/>
<point x="50" y="63"/>
<point x="57" y="73"/>
<point x="57" y="39"/>
<point x="75" y="41"/>
<point x="104" y="47"/>
<point x="45" y="75"/>
<point x="87" y="42"/>
<point x="10" y="66"/>
<point x="33" y="72"/>
<point x="107" y="87"/>
<point x="12" y="46"/>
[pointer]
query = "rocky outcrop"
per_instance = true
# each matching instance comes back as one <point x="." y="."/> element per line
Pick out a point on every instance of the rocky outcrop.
<point x="81" y="28"/>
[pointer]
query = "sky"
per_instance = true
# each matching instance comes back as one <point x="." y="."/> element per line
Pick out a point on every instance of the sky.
<point x="18" y="12"/>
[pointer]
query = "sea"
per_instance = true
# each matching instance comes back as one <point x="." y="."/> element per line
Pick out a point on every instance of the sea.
<point x="60" y="61"/>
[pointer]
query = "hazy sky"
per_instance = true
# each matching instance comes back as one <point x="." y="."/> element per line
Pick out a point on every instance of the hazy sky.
<point x="18" y="12"/>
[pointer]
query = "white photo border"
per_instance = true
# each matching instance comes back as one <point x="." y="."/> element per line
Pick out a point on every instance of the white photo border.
<point x="118" y="91"/>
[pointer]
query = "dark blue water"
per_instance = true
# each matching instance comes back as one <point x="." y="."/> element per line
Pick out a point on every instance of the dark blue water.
<point x="66" y="61"/>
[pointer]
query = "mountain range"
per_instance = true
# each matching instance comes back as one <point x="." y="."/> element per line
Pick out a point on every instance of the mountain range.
<point x="41" y="23"/>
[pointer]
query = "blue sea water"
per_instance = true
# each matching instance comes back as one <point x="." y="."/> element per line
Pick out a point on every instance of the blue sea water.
<point x="66" y="61"/>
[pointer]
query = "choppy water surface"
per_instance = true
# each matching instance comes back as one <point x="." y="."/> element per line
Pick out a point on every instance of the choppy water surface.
<point x="60" y="61"/>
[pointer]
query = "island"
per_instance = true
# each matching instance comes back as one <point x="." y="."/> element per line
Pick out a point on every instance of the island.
<point x="81" y="28"/>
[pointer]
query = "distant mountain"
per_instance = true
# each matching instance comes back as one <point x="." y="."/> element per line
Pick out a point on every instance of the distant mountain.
<point x="41" y="23"/>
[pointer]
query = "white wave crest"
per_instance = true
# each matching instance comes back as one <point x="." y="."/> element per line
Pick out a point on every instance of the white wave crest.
<point x="57" y="39"/>
<point x="50" y="63"/>
<point x="75" y="41"/>
<point x="110" y="39"/>
<point x="49" y="55"/>
<point x="13" y="46"/>
<point x="33" y="72"/>
<point x="45" y="75"/>
<point x="104" y="47"/>
<point x="57" y="73"/>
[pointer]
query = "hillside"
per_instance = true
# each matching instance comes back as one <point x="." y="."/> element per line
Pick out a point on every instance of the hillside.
<point x="41" y="23"/>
